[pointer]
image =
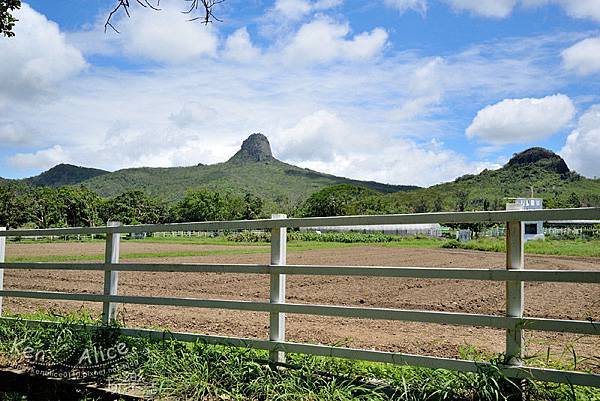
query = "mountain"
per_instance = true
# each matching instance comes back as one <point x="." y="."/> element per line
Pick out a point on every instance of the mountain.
<point x="64" y="174"/>
<point x="536" y="171"/>
<point x="252" y="169"/>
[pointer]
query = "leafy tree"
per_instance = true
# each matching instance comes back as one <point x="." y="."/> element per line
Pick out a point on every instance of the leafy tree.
<point x="47" y="208"/>
<point x="205" y="205"/>
<point x="134" y="207"/>
<point x="337" y="200"/>
<point x="252" y="207"/>
<point x="7" y="20"/>
<point x="462" y="198"/>
<point x="374" y="203"/>
<point x="81" y="206"/>
<point x="438" y="204"/>
<point x="574" y="200"/>
<point x="15" y="207"/>
<point x="420" y="205"/>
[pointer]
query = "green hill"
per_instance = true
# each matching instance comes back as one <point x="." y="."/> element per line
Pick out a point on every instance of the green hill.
<point x="253" y="169"/>
<point x="64" y="174"/>
<point x="536" y="171"/>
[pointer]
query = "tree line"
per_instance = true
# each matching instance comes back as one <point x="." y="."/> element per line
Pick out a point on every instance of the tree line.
<point x="77" y="206"/>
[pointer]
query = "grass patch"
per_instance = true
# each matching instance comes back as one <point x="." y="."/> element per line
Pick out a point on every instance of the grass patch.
<point x="590" y="248"/>
<point x="195" y="371"/>
<point x="571" y="247"/>
<point x="124" y="256"/>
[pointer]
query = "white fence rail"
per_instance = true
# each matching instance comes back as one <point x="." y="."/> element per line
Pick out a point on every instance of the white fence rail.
<point x="515" y="274"/>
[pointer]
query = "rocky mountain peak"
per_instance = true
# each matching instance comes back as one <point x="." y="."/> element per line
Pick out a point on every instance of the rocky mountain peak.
<point x="540" y="156"/>
<point x="254" y="148"/>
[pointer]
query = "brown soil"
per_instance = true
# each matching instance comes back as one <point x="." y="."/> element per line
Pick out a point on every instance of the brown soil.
<point x="550" y="300"/>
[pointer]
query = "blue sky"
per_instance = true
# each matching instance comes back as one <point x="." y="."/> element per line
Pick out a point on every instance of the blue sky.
<point x="399" y="91"/>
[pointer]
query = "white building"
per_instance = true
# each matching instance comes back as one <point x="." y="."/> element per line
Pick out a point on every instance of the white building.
<point x="533" y="229"/>
<point x="430" y="230"/>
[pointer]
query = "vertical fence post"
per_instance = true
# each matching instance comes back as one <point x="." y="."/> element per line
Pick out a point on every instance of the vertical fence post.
<point x="111" y="277"/>
<point x="278" y="258"/>
<point x="514" y="291"/>
<point x="2" y="255"/>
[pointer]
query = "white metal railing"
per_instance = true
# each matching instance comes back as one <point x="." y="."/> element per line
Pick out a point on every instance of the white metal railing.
<point x="515" y="274"/>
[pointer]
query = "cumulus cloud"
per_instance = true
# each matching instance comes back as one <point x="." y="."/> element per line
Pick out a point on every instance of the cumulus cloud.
<point x="239" y="47"/>
<point x="165" y="36"/>
<point x="485" y="8"/>
<point x="583" y="57"/>
<point x="42" y="159"/>
<point x="588" y="9"/>
<point x="419" y="6"/>
<point x="15" y="134"/>
<point x="314" y="138"/>
<point x="426" y="88"/>
<point x="521" y="120"/>
<point x="297" y="9"/>
<point x="353" y="117"/>
<point x="582" y="148"/>
<point x="36" y="59"/>
<point x="324" y="40"/>
<point x="325" y="141"/>
<point x="195" y="115"/>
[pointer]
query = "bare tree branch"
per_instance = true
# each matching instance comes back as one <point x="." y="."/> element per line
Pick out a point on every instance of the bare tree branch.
<point x="194" y="6"/>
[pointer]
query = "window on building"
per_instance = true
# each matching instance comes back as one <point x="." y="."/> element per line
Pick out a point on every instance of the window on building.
<point x="531" y="228"/>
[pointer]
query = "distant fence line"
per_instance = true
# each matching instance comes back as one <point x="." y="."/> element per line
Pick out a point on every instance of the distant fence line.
<point x="513" y="322"/>
<point x="583" y="232"/>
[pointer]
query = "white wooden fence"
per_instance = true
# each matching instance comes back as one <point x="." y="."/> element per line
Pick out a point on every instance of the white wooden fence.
<point x="515" y="274"/>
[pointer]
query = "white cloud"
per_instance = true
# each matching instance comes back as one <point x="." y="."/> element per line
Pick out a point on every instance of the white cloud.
<point x="324" y="141"/>
<point x="41" y="159"/>
<point x="369" y="115"/>
<point x="239" y="47"/>
<point x="167" y="36"/>
<point x="419" y="6"/>
<point x="426" y="88"/>
<point x="314" y="138"/>
<point x="36" y="59"/>
<point x="323" y="40"/>
<point x="583" y="57"/>
<point x="15" y="134"/>
<point x="297" y="9"/>
<point x="194" y="115"/>
<point x="485" y="8"/>
<point x="522" y="120"/>
<point x="582" y="148"/>
<point x="589" y="9"/>
<point x="581" y="8"/>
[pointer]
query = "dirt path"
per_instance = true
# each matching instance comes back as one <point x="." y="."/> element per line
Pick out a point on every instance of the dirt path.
<point x="551" y="300"/>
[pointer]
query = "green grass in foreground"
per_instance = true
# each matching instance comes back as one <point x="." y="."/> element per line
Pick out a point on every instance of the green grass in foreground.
<point x="170" y="369"/>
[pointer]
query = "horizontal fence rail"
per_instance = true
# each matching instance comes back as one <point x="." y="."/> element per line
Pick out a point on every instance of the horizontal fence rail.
<point x="452" y="318"/>
<point x="557" y="276"/>
<point x="590" y="213"/>
<point x="514" y="276"/>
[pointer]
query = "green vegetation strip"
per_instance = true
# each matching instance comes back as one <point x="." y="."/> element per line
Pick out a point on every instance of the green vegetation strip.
<point x="312" y="241"/>
<point x="169" y="369"/>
